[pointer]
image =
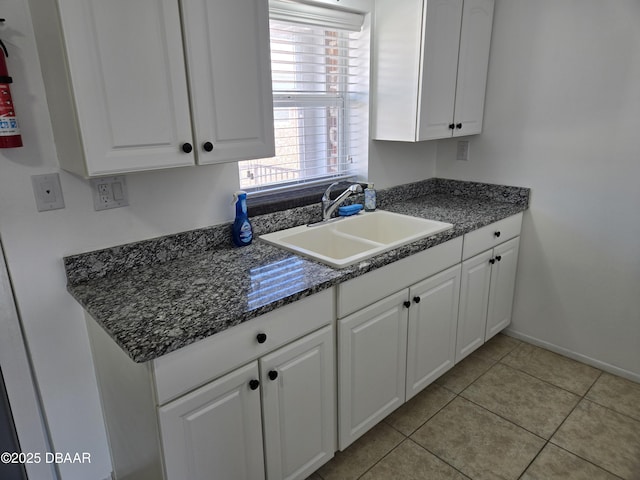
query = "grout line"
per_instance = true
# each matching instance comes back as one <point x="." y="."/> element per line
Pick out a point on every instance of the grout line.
<point x="584" y="459"/>
<point x="440" y="458"/>
<point x="384" y="456"/>
<point x="611" y="409"/>
<point x="549" y="382"/>
<point x="582" y="397"/>
<point x="506" y="419"/>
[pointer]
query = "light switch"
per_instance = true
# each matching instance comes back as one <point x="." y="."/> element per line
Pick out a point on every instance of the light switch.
<point x="47" y="191"/>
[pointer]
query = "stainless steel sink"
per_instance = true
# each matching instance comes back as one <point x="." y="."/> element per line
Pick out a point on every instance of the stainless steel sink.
<point x="349" y="240"/>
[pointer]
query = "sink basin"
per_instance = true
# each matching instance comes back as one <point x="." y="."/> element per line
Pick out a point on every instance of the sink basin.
<point x="349" y="240"/>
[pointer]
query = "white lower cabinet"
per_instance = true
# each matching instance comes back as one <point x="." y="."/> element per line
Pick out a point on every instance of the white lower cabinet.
<point x="391" y="350"/>
<point x="433" y="318"/>
<point x="298" y="406"/>
<point x="284" y="401"/>
<point x="486" y="296"/>
<point x="255" y="401"/>
<point x="216" y="430"/>
<point x="372" y="346"/>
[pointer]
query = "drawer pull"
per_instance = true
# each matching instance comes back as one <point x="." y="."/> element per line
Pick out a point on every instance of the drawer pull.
<point x="496" y="234"/>
<point x="254" y="384"/>
<point x="261" y="337"/>
<point x="273" y="374"/>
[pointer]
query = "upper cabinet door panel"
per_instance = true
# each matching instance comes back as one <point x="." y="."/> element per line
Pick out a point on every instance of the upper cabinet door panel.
<point x="441" y="32"/>
<point x="228" y="58"/>
<point x="127" y="70"/>
<point x="475" y="43"/>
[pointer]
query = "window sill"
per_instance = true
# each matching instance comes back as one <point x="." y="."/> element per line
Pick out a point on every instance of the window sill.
<point x="278" y="201"/>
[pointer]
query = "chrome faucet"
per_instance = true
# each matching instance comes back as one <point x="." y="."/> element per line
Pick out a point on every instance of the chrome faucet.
<point x="329" y="206"/>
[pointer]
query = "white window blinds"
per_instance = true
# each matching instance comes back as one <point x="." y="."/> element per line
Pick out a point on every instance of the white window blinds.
<point x="320" y="65"/>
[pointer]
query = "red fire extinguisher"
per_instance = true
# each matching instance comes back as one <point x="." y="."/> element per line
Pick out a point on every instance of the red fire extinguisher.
<point x="9" y="129"/>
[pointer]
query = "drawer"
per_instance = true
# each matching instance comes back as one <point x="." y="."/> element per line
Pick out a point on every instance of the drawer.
<point x="371" y="287"/>
<point x="494" y="234"/>
<point x="187" y="368"/>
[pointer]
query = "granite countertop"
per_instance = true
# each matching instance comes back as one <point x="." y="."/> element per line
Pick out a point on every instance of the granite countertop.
<point x="156" y="296"/>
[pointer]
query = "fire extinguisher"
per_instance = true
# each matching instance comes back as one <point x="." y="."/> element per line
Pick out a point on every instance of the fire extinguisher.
<point x="9" y="130"/>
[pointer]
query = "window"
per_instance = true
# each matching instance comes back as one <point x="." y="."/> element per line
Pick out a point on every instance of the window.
<point x="319" y="66"/>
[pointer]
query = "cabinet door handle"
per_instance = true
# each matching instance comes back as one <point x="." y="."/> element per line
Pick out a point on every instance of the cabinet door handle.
<point x="492" y="261"/>
<point x="458" y="126"/>
<point x="261" y="337"/>
<point x="187" y="147"/>
<point x="273" y="374"/>
<point x="496" y="234"/>
<point x="407" y="304"/>
<point x="254" y="384"/>
<point x="498" y="257"/>
<point x="451" y="126"/>
<point x="416" y="299"/>
<point x="207" y="146"/>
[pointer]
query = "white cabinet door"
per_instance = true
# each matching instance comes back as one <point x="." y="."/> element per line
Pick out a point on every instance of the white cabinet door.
<point x="503" y="278"/>
<point x="372" y="346"/>
<point x="216" y="430"/>
<point x="474" y="298"/>
<point x="298" y="405"/>
<point x="228" y="58"/>
<point x="433" y="318"/>
<point x="473" y="63"/>
<point x="441" y="32"/>
<point x="486" y="296"/>
<point x="126" y="67"/>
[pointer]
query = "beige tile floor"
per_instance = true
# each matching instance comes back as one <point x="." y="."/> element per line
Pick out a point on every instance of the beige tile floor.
<point x="508" y="411"/>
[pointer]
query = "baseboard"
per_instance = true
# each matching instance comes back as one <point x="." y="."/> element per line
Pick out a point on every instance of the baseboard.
<point x="574" y="355"/>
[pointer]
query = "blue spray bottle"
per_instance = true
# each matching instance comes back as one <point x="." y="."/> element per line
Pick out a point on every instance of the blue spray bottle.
<point x="242" y="231"/>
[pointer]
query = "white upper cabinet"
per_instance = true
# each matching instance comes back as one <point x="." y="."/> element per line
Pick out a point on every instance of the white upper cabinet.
<point x="430" y="68"/>
<point x="228" y="58"/>
<point x="118" y="86"/>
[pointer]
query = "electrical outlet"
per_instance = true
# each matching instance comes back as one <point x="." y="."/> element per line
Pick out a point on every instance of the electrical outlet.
<point x="109" y="192"/>
<point x="463" y="150"/>
<point x="48" y="192"/>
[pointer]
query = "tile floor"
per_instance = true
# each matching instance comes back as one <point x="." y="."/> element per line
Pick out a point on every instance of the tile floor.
<point x="508" y="411"/>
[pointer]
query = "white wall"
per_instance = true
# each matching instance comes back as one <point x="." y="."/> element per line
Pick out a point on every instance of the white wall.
<point x="161" y="203"/>
<point x="563" y="117"/>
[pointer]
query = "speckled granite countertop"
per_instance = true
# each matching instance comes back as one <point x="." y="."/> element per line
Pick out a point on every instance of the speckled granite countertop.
<point x="156" y="296"/>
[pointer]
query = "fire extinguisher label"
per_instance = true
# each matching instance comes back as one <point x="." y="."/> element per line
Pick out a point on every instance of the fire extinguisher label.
<point x="9" y="126"/>
<point x="8" y="120"/>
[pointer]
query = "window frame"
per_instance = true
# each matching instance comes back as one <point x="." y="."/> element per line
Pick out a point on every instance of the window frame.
<point x="344" y="128"/>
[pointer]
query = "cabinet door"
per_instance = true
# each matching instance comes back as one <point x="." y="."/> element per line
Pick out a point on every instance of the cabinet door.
<point x="128" y="78"/>
<point x="433" y="318"/>
<point x="298" y="405"/>
<point x="441" y="37"/>
<point x="228" y="58"/>
<point x="473" y="63"/>
<point x="372" y="347"/>
<point x="215" y="430"/>
<point x="474" y="297"/>
<point x="503" y="278"/>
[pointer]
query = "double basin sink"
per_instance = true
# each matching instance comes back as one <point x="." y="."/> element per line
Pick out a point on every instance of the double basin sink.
<point x="344" y="241"/>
